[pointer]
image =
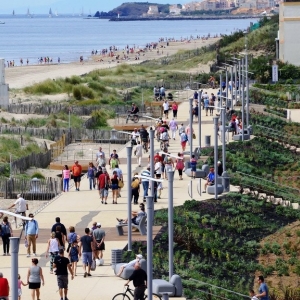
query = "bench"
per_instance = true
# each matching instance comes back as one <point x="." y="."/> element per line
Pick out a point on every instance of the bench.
<point x="127" y="272"/>
<point x="141" y="226"/>
<point x="211" y="189"/>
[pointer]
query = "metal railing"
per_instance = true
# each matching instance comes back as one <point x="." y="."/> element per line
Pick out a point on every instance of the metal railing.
<point x="220" y="288"/>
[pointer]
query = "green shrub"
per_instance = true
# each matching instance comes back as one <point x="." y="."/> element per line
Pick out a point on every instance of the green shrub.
<point x="73" y="80"/>
<point x="38" y="175"/>
<point x="77" y="93"/>
<point x="46" y="87"/>
<point x="97" y="86"/>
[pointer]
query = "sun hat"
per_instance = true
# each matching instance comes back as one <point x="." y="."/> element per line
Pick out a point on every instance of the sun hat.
<point x="140" y="256"/>
<point x="98" y="225"/>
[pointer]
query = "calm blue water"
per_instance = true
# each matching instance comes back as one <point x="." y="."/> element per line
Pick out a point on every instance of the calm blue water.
<point x="70" y="37"/>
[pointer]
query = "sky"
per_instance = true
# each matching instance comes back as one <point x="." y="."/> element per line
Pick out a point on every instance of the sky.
<point x="68" y="6"/>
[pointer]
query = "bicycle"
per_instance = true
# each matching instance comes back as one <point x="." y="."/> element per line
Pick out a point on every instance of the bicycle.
<point x="124" y="296"/>
<point x="133" y="118"/>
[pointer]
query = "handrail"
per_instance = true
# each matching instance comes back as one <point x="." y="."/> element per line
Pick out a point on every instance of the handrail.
<point x="297" y="136"/>
<point x="189" y="192"/>
<point x="218" y="287"/>
<point x="269" y="181"/>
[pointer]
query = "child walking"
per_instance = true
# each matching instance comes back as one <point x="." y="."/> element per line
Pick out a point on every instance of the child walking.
<point x="73" y="256"/>
<point x="20" y="283"/>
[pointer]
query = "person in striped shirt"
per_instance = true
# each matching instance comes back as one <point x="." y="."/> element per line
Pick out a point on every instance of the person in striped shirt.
<point x="145" y="182"/>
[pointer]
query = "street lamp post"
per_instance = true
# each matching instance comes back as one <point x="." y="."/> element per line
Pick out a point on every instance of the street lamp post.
<point x="129" y="195"/>
<point x="199" y="118"/>
<point x="243" y="100"/>
<point x="171" y="222"/>
<point x="191" y="137"/>
<point x="14" y="245"/>
<point x="216" y="121"/>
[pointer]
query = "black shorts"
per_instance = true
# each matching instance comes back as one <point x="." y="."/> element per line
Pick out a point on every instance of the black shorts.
<point x="101" y="247"/>
<point x="77" y="178"/>
<point x="145" y="140"/>
<point x="158" y="175"/>
<point x="62" y="281"/>
<point x="166" y="111"/>
<point x="34" y="285"/>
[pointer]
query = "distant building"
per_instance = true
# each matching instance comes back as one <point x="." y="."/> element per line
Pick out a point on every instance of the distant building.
<point x="174" y="9"/>
<point x="153" y="10"/>
<point x="289" y="28"/>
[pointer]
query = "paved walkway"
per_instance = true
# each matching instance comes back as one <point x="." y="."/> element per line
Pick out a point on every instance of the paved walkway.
<point x="81" y="209"/>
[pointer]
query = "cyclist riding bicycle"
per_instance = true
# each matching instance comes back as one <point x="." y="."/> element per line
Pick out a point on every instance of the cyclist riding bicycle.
<point x="134" y="109"/>
<point x="144" y="135"/>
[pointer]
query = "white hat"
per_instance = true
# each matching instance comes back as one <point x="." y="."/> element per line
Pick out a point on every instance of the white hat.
<point x="140" y="256"/>
<point x="19" y="195"/>
<point x="219" y="162"/>
<point x="98" y="224"/>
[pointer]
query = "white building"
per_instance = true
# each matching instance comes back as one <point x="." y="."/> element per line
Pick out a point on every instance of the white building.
<point x="174" y="9"/>
<point x="289" y="28"/>
<point x="153" y="10"/>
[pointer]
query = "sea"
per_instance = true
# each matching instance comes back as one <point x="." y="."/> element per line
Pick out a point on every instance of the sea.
<point x="68" y="37"/>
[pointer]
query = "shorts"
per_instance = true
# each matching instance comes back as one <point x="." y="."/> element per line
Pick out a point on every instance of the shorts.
<point x="193" y="168"/>
<point x="180" y="172"/>
<point x="183" y="144"/>
<point x="166" y="111"/>
<point x="87" y="258"/>
<point x="62" y="281"/>
<point x="114" y="187"/>
<point x="77" y="178"/>
<point x="145" y="140"/>
<point x="74" y="259"/>
<point x="101" y="247"/>
<point x="34" y="285"/>
<point x="158" y="175"/>
<point x="19" y="292"/>
<point x="103" y="192"/>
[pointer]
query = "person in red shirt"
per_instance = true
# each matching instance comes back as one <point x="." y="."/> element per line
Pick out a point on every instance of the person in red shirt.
<point x="157" y="156"/>
<point x="4" y="287"/>
<point x="76" y="171"/>
<point x="104" y="182"/>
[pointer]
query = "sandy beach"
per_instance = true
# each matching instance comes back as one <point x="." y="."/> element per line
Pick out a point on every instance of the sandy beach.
<point x="19" y="77"/>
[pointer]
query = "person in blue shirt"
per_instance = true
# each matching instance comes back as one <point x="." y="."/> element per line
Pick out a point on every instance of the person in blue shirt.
<point x="193" y="163"/>
<point x="31" y="234"/>
<point x="263" y="289"/>
<point x="210" y="179"/>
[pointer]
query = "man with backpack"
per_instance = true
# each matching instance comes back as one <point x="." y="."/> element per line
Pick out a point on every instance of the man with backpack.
<point x="183" y="140"/>
<point x="31" y="234"/>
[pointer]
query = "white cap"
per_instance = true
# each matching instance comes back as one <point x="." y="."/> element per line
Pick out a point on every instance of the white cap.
<point x="98" y="224"/>
<point x="19" y="195"/>
<point x="140" y="256"/>
<point x="219" y="162"/>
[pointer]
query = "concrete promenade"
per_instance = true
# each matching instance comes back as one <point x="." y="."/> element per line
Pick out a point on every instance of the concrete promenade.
<point x="81" y="209"/>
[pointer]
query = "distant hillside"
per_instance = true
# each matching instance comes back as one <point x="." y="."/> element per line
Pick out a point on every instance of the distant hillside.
<point x="137" y="8"/>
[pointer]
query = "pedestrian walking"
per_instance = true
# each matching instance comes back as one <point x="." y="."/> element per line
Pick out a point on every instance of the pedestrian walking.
<point x="139" y="153"/>
<point x="76" y="171"/>
<point x="74" y="256"/>
<point x="86" y="251"/>
<point x="263" y="291"/>
<point x="173" y="127"/>
<point x="91" y="172"/>
<point x="34" y="279"/>
<point x="114" y="187"/>
<point x="66" y="175"/>
<point x="6" y="233"/>
<point x="99" y="238"/>
<point x="180" y="165"/>
<point x="145" y="182"/>
<point x="4" y="287"/>
<point x="52" y="249"/>
<point x="31" y="234"/>
<point x="62" y="265"/>
<point x="175" y="109"/>
<point x="20" y="283"/>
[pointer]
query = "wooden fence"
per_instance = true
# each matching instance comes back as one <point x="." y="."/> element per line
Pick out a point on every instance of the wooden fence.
<point x="30" y="189"/>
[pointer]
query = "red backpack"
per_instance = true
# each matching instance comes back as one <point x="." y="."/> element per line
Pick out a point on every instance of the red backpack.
<point x="179" y="164"/>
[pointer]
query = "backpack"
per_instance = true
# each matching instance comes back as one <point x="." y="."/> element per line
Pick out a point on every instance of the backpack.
<point x="137" y="110"/>
<point x="162" y="129"/>
<point x="180" y="164"/>
<point x="232" y="124"/>
<point x="74" y="251"/>
<point x="5" y="229"/>
<point x="135" y="183"/>
<point x="72" y="238"/>
<point x="185" y="139"/>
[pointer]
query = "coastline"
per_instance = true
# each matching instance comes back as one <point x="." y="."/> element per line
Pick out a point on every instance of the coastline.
<point x="22" y="76"/>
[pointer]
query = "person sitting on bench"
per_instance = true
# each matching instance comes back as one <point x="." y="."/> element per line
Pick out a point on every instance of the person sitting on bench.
<point x="137" y="215"/>
<point x="210" y="179"/>
<point x="130" y="264"/>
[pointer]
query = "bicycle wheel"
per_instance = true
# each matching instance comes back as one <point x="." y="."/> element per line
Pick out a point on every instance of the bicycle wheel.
<point x="121" y="296"/>
<point x="154" y="297"/>
<point x="135" y="118"/>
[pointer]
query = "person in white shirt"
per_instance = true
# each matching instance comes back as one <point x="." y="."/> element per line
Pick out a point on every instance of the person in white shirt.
<point x="135" y="136"/>
<point x="21" y="207"/>
<point x="100" y="152"/>
<point x="173" y="126"/>
<point x="252" y="295"/>
<point x="157" y="168"/>
<point x="166" y="108"/>
<point x="139" y="153"/>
